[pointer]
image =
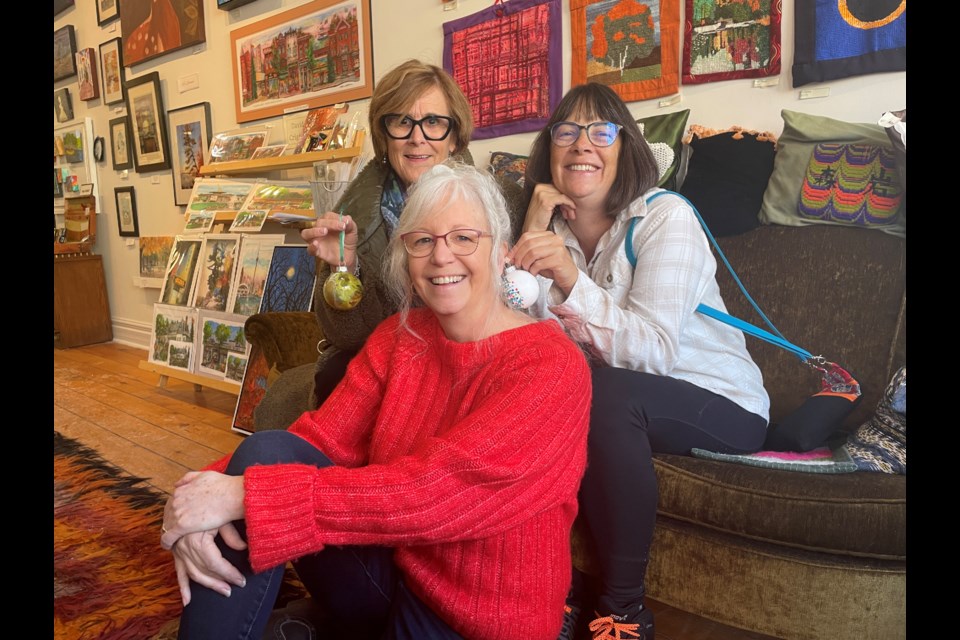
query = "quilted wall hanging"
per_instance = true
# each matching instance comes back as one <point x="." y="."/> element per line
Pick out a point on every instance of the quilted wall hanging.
<point x="730" y="39"/>
<point x="844" y="38"/>
<point x="630" y="46"/>
<point x="506" y="59"/>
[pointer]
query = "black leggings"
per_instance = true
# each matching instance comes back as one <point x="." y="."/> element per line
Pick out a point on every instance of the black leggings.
<point x="634" y="415"/>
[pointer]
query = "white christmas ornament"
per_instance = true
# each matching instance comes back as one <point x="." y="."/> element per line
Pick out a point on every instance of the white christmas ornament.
<point x="520" y="288"/>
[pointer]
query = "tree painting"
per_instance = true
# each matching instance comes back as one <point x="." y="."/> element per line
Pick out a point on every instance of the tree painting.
<point x="221" y="339"/>
<point x="191" y="155"/>
<point x="290" y="281"/>
<point x="623" y="41"/>
<point x="213" y="290"/>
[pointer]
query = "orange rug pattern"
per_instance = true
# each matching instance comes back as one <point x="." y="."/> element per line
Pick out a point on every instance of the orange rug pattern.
<point x="111" y="579"/>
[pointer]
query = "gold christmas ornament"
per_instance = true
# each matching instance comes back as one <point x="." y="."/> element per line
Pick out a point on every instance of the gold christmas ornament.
<point x="342" y="290"/>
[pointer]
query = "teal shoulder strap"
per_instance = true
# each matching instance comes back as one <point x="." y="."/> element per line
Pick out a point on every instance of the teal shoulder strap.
<point x="775" y="338"/>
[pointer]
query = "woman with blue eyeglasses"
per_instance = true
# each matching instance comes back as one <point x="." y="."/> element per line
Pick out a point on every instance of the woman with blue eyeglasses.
<point x="419" y="118"/>
<point x="623" y="265"/>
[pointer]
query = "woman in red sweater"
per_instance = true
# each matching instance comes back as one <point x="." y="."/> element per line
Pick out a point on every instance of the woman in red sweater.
<point x="432" y="494"/>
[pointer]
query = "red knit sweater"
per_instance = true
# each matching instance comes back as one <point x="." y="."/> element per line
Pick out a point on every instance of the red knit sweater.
<point x="465" y="457"/>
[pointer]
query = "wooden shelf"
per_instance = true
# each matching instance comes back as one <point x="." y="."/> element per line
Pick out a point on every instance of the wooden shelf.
<point x="263" y="165"/>
<point x="198" y="381"/>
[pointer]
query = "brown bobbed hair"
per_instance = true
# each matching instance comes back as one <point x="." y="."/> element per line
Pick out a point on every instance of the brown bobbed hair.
<point x="402" y="86"/>
<point x="636" y="167"/>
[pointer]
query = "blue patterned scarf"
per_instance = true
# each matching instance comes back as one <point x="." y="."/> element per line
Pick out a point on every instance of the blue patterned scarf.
<point x="391" y="202"/>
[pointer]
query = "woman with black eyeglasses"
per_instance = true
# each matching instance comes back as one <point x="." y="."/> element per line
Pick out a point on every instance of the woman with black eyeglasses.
<point x="419" y="118"/>
<point x="623" y="265"/>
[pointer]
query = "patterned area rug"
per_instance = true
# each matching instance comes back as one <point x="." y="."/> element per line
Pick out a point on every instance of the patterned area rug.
<point x="111" y="578"/>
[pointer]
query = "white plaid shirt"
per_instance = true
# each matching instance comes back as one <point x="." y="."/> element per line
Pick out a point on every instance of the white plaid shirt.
<point x="644" y="318"/>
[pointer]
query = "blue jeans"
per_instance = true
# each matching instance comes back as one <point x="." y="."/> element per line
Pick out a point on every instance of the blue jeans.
<point x="360" y="587"/>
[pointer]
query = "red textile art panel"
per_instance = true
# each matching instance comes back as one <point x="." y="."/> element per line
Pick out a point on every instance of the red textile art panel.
<point x="504" y="61"/>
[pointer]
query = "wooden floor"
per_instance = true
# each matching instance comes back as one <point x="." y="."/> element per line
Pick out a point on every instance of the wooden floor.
<point x="104" y="400"/>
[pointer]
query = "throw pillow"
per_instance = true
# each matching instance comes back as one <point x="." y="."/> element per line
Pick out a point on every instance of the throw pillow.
<point x="796" y="148"/>
<point x="726" y="176"/>
<point x="508" y="166"/>
<point x="664" y="134"/>
<point x="880" y="444"/>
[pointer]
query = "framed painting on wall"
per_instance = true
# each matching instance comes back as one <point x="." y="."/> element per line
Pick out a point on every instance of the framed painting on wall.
<point x="64" y="53"/>
<point x="87" y="74"/>
<point x="107" y="11"/>
<point x="120" y="143"/>
<point x="127" y="221"/>
<point x="152" y="28"/>
<point x="631" y="47"/>
<point x="344" y="74"/>
<point x="148" y="125"/>
<point x="111" y="68"/>
<point x="62" y="105"/>
<point x="190" y="129"/>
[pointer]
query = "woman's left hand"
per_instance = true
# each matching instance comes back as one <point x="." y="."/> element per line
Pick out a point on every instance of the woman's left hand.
<point x="543" y="253"/>
<point x="201" y="501"/>
<point x="197" y="557"/>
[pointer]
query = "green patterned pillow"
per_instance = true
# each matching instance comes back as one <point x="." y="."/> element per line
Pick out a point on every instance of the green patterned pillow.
<point x="828" y="171"/>
<point x="664" y="134"/>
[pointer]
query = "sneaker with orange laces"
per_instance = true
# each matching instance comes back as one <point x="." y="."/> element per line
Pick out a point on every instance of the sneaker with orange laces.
<point x="571" y="613"/>
<point x="637" y="625"/>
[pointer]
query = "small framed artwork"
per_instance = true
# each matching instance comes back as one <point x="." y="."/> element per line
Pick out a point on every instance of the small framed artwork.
<point x="190" y="130"/>
<point x="344" y="25"/>
<point x="290" y="280"/>
<point x="86" y="189"/>
<point x="147" y="33"/>
<point x="240" y="144"/>
<point x="180" y="275"/>
<point x="126" y="212"/>
<point x="120" y="143"/>
<point x="199" y="222"/>
<point x="218" y="260"/>
<point x="111" y="67"/>
<point x="250" y="221"/>
<point x="221" y="337"/>
<point x="73" y="146"/>
<point x="64" y="53"/>
<point x="59" y="6"/>
<point x="147" y="124"/>
<point x="107" y="11"/>
<point x="226" y="5"/>
<point x="62" y="105"/>
<point x="57" y="183"/>
<point x="87" y="74"/>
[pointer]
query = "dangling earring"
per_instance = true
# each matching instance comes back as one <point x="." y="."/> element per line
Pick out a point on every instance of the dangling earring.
<point x="384" y="159"/>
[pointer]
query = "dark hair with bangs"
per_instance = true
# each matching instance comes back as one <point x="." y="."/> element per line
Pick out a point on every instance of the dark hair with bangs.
<point x="636" y="167"/>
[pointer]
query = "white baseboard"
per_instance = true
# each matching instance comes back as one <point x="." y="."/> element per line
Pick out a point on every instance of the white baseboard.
<point x="132" y="333"/>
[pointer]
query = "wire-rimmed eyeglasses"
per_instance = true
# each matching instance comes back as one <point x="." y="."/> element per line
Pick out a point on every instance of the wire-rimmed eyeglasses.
<point x="400" y="127"/>
<point x="600" y="134"/>
<point x="461" y="242"/>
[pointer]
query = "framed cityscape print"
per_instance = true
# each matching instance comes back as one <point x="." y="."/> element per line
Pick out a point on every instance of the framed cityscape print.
<point x="111" y="71"/>
<point x="190" y="131"/>
<point x="64" y="53"/>
<point x="127" y="221"/>
<point x="148" y="125"/>
<point x="152" y="28"/>
<point x="120" y="143"/>
<point x="107" y="11"/>
<point x="342" y="28"/>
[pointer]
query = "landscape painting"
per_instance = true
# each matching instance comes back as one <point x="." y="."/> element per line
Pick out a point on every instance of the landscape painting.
<point x="181" y="270"/>
<point x="221" y="335"/>
<point x="256" y="252"/>
<point x="219" y="195"/>
<point x="217" y="261"/>
<point x="170" y="325"/>
<point x="290" y="280"/>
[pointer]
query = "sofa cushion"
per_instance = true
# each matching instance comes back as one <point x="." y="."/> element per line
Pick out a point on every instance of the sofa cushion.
<point x="664" y="133"/>
<point x="861" y="514"/>
<point x="508" y="166"/>
<point x="828" y="171"/>
<point x="726" y="176"/>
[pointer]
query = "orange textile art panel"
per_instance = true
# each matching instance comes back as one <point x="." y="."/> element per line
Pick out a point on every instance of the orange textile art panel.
<point x="630" y="46"/>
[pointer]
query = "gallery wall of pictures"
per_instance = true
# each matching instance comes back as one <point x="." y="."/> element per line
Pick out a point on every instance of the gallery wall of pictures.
<point x="151" y="121"/>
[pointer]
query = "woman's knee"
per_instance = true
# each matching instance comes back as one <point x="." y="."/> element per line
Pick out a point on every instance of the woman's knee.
<point x="275" y="447"/>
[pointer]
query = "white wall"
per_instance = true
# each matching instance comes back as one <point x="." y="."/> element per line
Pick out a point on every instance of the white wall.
<point x="402" y="29"/>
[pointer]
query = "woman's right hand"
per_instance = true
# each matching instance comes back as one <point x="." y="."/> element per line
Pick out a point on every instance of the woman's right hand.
<point x="323" y="239"/>
<point x="197" y="557"/>
<point x="546" y="198"/>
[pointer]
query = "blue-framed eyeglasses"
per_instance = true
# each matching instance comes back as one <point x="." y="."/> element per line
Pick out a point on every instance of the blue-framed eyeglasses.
<point x="600" y="134"/>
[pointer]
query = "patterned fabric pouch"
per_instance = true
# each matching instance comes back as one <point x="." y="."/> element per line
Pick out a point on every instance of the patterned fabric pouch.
<point x="854" y="184"/>
<point x="880" y="444"/>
